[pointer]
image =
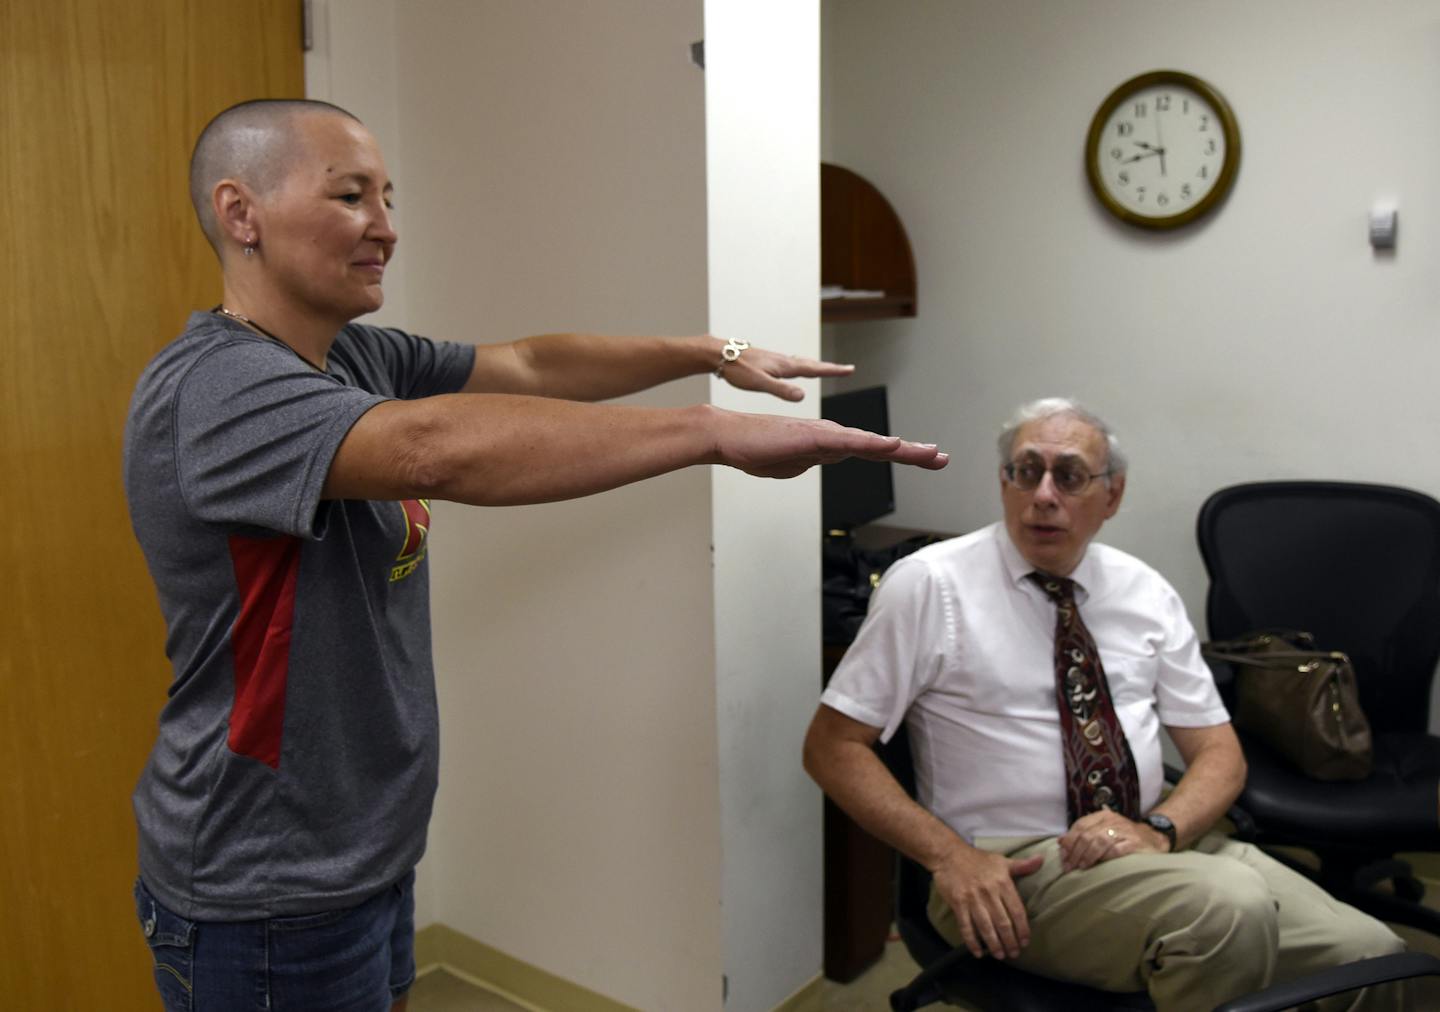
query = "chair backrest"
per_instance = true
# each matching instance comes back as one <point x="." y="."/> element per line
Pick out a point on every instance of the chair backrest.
<point x="1357" y="565"/>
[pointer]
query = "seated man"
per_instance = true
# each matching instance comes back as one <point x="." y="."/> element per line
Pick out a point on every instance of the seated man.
<point x="1034" y="670"/>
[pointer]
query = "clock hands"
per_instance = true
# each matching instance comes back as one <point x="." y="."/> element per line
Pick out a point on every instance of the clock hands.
<point x="1159" y="139"/>
<point x="1151" y="151"/>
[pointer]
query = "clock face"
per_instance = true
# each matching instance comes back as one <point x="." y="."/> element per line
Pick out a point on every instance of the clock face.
<point x="1163" y="149"/>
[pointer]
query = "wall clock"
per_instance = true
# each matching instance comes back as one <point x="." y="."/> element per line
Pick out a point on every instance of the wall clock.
<point x="1163" y="150"/>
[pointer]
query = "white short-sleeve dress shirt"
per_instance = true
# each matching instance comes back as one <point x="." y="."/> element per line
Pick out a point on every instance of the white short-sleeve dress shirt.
<point x="959" y="644"/>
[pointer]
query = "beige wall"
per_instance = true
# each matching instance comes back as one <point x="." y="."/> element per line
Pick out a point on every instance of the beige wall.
<point x="559" y="186"/>
<point x="550" y="163"/>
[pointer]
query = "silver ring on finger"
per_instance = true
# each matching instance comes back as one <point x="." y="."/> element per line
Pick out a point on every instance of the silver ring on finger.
<point x="1110" y="832"/>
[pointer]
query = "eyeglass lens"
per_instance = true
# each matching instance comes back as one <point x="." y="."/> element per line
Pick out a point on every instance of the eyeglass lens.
<point x="1070" y="476"/>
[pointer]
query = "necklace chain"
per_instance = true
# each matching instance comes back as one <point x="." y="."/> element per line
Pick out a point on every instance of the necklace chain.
<point x="255" y="326"/>
<point x="234" y="316"/>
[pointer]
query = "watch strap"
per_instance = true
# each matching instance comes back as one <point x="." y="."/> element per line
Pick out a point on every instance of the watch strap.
<point x="1162" y="824"/>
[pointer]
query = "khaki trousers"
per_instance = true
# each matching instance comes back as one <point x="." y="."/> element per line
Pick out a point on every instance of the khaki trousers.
<point x="1195" y="928"/>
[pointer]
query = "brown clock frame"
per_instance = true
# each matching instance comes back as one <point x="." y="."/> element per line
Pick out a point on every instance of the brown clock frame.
<point x="1228" y="126"/>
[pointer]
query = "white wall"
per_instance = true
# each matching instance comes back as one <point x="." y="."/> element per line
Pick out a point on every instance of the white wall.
<point x="560" y="154"/>
<point x="762" y="70"/>
<point x="1266" y="342"/>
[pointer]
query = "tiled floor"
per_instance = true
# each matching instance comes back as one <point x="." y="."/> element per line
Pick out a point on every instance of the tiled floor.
<point x="441" y="992"/>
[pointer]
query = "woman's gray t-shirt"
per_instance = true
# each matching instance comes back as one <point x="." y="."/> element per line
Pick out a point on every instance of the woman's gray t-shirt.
<point x="295" y="764"/>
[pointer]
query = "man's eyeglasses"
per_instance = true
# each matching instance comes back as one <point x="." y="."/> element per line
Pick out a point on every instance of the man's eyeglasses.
<point x="1069" y="475"/>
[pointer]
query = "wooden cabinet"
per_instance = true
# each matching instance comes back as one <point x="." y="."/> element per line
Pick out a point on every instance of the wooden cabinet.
<point x="859" y="885"/>
<point x="863" y="247"/>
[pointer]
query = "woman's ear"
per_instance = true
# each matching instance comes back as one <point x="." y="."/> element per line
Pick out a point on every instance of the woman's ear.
<point x="234" y="211"/>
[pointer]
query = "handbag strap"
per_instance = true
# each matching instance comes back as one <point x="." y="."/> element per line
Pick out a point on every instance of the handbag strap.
<point x="1260" y="639"/>
<point x="1274" y="658"/>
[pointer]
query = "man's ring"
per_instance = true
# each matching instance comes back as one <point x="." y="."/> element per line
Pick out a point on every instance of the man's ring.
<point x="1110" y="832"/>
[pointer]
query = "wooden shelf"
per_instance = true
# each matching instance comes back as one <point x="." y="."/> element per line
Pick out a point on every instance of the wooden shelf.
<point x="863" y="246"/>
<point x="889" y="307"/>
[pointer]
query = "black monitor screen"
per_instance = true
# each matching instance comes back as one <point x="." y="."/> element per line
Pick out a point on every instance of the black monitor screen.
<point x="855" y="492"/>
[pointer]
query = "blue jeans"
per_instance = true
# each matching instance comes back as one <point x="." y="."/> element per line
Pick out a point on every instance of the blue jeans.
<point x="355" y="960"/>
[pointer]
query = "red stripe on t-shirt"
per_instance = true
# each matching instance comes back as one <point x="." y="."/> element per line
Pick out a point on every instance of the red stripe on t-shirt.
<point x="265" y="570"/>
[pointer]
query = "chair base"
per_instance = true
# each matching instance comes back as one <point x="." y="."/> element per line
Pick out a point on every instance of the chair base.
<point x="1353" y="880"/>
<point x="1397" y="909"/>
<point x="956" y="976"/>
<point x="1017" y="992"/>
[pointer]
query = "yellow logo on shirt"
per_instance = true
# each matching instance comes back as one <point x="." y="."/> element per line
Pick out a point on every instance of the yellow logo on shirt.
<point x="417" y="529"/>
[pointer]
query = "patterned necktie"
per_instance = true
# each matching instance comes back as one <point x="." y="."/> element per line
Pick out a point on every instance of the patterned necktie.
<point x="1098" y="765"/>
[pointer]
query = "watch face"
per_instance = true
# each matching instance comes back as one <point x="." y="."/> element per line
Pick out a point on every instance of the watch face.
<point x="1163" y="149"/>
<point x="1162" y="824"/>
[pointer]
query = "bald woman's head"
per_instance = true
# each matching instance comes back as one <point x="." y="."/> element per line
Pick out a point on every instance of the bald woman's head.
<point x="254" y="143"/>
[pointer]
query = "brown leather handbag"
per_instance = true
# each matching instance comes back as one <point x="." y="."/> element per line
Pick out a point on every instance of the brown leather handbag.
<point x="1300" y="701"/>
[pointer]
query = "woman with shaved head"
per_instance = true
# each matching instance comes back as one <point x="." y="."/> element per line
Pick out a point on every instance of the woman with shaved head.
<point x="279" y="463"/>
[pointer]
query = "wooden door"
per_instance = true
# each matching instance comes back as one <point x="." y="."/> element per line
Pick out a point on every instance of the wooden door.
<point x="100" y="261"/>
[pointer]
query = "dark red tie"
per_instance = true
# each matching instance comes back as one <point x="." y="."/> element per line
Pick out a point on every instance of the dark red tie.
<point x="1098" y="765"/>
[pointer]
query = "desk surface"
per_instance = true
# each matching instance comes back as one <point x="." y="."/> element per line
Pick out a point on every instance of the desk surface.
<point x="872" y="536"/>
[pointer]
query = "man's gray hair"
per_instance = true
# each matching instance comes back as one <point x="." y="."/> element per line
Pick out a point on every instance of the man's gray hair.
<point x="1053" y="407"/>
<point x="254" y="142"/>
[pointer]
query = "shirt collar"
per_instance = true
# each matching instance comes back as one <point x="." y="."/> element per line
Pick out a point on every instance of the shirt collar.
<point x="1017" y="569"/>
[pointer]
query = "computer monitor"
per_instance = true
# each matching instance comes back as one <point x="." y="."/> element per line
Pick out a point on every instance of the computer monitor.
<point x="855" y="492"/>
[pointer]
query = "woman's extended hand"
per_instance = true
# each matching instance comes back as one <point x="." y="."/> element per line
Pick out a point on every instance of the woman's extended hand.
<point x="769" y="446"/>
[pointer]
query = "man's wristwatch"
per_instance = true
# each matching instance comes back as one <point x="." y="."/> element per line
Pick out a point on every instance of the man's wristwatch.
<point x="1162" y="824"/>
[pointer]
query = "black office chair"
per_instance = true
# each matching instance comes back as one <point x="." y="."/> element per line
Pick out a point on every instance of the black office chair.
<point x="1359" y="567"/>
<point x="952" y="975"/>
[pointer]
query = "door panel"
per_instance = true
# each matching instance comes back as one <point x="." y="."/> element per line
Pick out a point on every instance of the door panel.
<point x="100" y="261"/>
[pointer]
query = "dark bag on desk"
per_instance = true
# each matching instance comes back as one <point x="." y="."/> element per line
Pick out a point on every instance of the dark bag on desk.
<point x="850" y="575"/>
<point x="1300" y="701"/>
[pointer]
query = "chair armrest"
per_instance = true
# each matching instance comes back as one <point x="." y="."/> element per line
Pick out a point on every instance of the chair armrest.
<point x="1243" y="820"/>
<point x="1336" y="980"/>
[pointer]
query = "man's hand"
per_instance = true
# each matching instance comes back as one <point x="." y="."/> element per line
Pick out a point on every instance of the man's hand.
<point x="1106" y="835"/>
<point x="980" y="888"/>
<point x="764" y="371"/>
<point x="768" y="446"/>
